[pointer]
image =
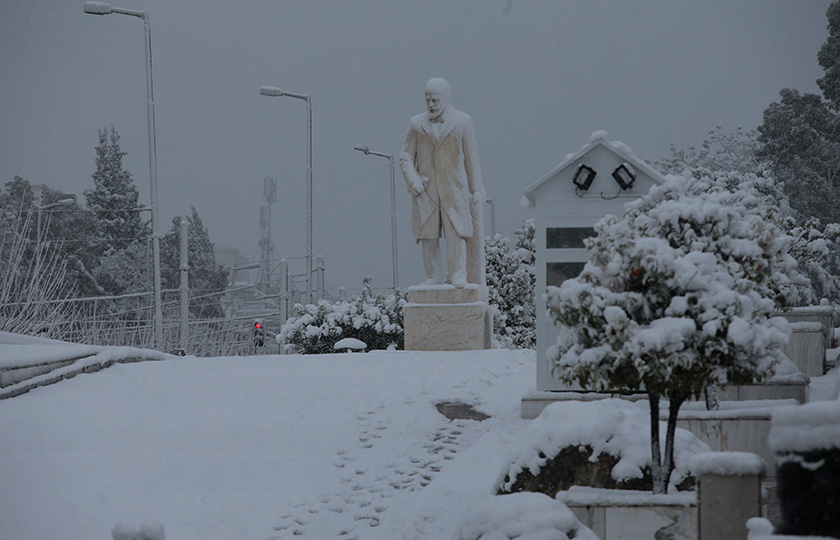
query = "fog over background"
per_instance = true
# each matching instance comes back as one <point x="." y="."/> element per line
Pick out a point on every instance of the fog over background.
<point x="537" y="77"/>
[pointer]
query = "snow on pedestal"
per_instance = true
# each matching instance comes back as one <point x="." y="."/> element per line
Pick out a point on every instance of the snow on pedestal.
<point x="729" y="493"/>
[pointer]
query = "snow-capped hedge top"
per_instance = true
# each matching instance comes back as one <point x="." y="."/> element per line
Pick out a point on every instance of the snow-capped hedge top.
<point x="728" y="464"/>
<point x="805" y="428"/>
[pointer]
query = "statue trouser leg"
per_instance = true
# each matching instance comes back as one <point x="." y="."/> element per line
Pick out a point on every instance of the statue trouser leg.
<point x="456" y="255"/>
<point x="432" y="261"/>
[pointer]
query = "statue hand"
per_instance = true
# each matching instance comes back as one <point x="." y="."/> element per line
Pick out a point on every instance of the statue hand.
<point x="417" y="190"/>
<point x="477" y="197"/>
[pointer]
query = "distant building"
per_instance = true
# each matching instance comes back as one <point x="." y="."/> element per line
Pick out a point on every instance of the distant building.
<point x="595" y="181"/>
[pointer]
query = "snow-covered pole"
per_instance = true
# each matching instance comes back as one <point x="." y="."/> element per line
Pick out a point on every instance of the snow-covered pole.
<point x="284" y="290"/>
<point x="185" y="286"/>
<point x="102" y="8"/>
<point x="319" y="270"/>
<point x="272" y="91"/>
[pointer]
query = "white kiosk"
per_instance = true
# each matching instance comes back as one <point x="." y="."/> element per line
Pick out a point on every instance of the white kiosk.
<point x="595" y="181"/>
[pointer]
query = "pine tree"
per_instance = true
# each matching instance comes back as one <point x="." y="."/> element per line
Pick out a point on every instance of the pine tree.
<point x="205" y="276"/>
<point x="114" y="197"/>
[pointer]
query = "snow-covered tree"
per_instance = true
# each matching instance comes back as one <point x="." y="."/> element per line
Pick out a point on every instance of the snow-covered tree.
<point x="206" y="278"/>
<point x="114" y="196"/>
<point x="733" y="160"/>
<point x="677" y="295"/>
<point x="510" y="282"/>
<point x="719" y="151"/>
<point x="67" y="231"/>
<point x="800" y="139"/>
<point x="26" y="287"/>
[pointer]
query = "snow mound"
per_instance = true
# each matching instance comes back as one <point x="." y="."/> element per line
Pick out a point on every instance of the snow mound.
<point x="521" y="515"/>
<point x="350" y="343"/>
<point x="599" y="135"/>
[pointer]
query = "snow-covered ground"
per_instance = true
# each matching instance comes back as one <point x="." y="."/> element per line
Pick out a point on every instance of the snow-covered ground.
<point x="269" y="447"/>
<point x="334" y="446"/>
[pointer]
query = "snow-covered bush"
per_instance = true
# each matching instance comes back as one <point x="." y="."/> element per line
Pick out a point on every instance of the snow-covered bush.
<point x="314" y="329"/>
<point x="510" y="283"/>
<point x="614" y="429"/>
<point x="677" y="295"/>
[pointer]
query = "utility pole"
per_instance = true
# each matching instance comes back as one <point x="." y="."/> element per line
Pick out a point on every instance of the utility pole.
<point x="265" y="244"/>
<point x="185" y="286"/>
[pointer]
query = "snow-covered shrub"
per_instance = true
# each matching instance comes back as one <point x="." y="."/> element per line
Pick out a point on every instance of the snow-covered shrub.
<point x="677" y="295"/>
<point x="314" y="329"/>
<point x="510" y="283"/>
<point x="611" y="432"/>
<point x="521" y="515"/>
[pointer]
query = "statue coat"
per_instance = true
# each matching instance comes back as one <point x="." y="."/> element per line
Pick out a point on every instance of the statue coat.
<point x="446" y="154"/>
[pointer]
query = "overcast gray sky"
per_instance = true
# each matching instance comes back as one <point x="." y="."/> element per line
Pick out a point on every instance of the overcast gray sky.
<point x="537" y="78"/>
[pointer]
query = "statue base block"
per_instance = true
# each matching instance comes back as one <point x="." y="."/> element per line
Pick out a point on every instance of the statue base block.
<point x="443" y="318"/>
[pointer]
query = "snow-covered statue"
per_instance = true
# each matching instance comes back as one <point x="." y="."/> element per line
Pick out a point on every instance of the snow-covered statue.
<point x="440" y="165"/>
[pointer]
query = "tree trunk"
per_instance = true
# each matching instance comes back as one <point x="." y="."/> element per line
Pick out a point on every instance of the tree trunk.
<point x="712" y="403"/>
<point x="675" y="401"/>
<point x="657" y="471"/>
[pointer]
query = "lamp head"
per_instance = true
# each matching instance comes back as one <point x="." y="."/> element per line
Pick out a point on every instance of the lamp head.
<point x="364" y="149"/>
<point x="98" y="8"/>
<point x="270" y="91"/>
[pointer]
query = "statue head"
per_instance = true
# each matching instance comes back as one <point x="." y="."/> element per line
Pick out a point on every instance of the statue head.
<point x="437" y="97"/>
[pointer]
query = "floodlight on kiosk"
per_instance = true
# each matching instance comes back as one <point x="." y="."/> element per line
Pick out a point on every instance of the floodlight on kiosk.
<point x="624" y="175"/>
<point x="584" y="177"/>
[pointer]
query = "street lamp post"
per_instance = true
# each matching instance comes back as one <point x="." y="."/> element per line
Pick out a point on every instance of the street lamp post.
<point x="101" y="8"/>
<point x="390" y="157"/>
<point x="62" y="202"/>
<point x="272" y="91"/>
<point x="492" y="218"/>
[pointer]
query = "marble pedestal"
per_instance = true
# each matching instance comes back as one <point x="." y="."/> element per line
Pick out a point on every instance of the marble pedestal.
<point x="443" y="318"/>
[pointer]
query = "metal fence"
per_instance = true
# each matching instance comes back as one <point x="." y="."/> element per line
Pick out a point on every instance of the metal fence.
<point x="127" y="320"/>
